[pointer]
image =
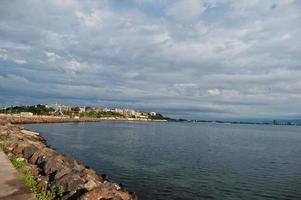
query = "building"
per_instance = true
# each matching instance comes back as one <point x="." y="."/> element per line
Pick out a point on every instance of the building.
<point x="26" y="113"/>
<point x="82" y="109"/>
<point x="153" y="114"/>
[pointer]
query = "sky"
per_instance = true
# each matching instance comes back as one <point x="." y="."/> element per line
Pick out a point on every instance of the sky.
<point x="195" y="59"/>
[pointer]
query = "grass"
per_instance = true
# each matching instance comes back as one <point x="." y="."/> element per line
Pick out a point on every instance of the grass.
<point x="30" y="180"/>
<point x="60" y="192"/>
<point x="3" y="145"/>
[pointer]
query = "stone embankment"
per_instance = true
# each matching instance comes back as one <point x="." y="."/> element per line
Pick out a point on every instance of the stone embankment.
<point x="54" y="172"/>
<point x="18" y="119"/>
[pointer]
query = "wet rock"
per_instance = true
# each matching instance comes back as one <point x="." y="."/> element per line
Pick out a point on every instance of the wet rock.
<point x="29" y="151"/>
<point x="104" y="177"/>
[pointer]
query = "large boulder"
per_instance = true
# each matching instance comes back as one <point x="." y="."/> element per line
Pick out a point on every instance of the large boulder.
<point x="71" y="182"/>
<point x="52" y="165"/>
<point x="61" y="172"/>
<point x="34" y="158"/>
<point x="28" y="151"/>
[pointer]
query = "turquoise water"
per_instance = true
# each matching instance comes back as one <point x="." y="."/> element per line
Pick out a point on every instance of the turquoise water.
<point x="187" y="161"/>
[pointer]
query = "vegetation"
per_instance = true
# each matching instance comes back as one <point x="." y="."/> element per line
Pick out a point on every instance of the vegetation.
<point x="30" y="180"/>
<point x="158" y="116"/>
<point x="3" y="145"/>
<point x="35" y="109"/>
<point x="60" y="191"/>
<point x="94" y="114"/>
<point x="68" y="113"/>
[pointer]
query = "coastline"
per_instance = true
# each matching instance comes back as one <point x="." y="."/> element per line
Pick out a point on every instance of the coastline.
<point x="53" y="171"/>
<point x="18" y="119"/>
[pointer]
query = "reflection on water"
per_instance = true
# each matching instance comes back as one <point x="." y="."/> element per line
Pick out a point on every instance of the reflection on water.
<point x="187" y="160"/>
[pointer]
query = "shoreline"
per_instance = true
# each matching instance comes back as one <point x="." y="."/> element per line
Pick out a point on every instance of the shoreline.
<point x="18" y="119"/>
<point x="53" y="171"/>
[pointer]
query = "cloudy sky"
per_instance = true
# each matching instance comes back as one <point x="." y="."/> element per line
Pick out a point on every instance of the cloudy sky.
<point x="202" y="59"/>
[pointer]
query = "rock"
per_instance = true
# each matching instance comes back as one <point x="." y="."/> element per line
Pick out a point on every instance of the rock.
<point x="89" y="175"/>
<point x="51" y="165"/>
<point x="117" y="187"/>
<point x="61" y="172"/>
<point x="71" y="182"/>
<point x="34" y="158"/>
<point x="105" y="194"/>
<point x="90" y="185"/>
<point x="18" y="150"/>
<point x="29" y="151"/>
<point x="78" y="167"/>
<point x="29" y="133"/>
<point x="75" y="195"/>
<point x="104" y="177"/>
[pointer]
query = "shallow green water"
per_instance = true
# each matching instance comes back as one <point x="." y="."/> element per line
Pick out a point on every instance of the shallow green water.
<point x="187" y="160"/>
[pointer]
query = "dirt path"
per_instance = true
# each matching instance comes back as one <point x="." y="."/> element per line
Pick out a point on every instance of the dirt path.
<point x="11" y="185"/>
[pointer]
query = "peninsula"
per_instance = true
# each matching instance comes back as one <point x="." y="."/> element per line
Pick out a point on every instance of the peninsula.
<point x="56" y="113"/>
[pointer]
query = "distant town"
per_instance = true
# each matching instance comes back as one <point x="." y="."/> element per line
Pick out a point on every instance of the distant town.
<point x="77" y="112"/>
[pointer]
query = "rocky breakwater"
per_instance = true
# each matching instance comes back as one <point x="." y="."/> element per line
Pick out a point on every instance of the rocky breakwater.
<point x="55" y="172"/>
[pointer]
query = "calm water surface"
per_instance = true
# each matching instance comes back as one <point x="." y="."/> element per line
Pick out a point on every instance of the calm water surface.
<point x="178" y="161"/>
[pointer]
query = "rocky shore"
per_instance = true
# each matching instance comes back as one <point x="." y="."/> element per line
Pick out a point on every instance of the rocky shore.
<point x="55" y="172"/>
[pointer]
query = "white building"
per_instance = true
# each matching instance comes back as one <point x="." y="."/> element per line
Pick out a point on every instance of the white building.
<point x="153" y="113"/>
<point x="26" y="114"/>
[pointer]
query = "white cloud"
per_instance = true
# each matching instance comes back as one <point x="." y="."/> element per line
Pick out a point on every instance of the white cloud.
<point x="20" y="61"/>
<point x="91" y="20"/>
<point x="186" y="10"/>
<point x="52" y="57"/>
<point x="73" y="65"/>
<point x="214" y="92"/>
<point x="4" y="55"/>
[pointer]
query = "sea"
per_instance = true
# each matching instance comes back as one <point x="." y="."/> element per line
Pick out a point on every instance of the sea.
<point x="186" y="161"/>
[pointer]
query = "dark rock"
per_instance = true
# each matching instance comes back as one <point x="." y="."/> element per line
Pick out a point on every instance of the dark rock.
<point x="51" y="165"/>
<point x="77" y="194"/>
<point x="29" y="151"/>
<point x="71" y="182"/>
<point x="61" y="172"/>
<point x="34" y="158"/>
<point x="104" y="177"/>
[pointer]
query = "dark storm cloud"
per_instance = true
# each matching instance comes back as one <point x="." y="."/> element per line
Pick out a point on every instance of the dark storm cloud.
<point x="201" y="58"/>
